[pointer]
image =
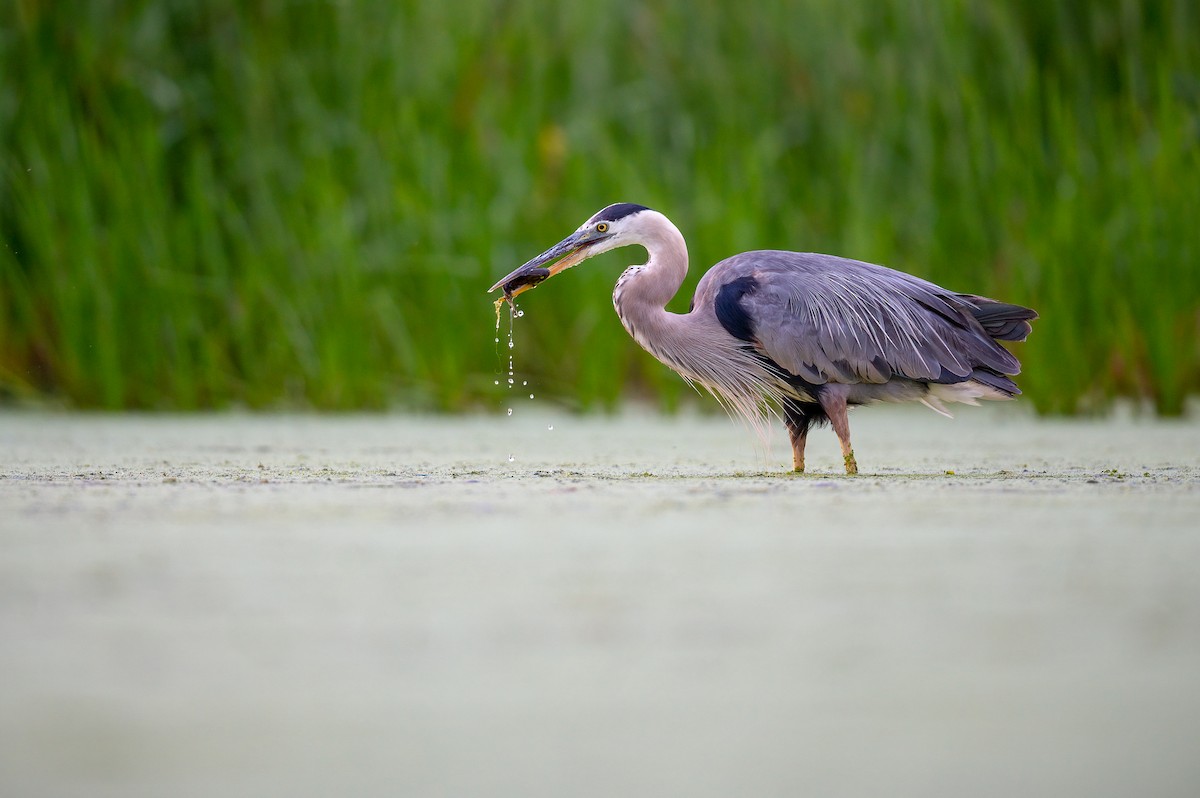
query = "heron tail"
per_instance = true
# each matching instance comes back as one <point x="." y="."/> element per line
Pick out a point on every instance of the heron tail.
<point x="1000" y="320"/>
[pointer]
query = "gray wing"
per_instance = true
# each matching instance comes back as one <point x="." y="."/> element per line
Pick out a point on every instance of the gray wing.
<point x="828" y="319"/>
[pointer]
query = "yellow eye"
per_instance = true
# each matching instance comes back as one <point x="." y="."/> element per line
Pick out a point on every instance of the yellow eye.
<point x="602" y="227"/>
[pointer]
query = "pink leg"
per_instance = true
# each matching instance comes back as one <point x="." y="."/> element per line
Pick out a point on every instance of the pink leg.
<point x="833" y="401"/>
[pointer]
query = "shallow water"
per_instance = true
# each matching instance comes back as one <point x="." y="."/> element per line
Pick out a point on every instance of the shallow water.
<point x="633" y="606"/>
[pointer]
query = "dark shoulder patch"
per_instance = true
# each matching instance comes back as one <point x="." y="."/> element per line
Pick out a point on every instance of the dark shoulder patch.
<point x="729" y="310"/>
<point x="617" y="211"/>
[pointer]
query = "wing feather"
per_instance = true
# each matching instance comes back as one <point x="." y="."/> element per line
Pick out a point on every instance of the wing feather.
<point x="830" y="319"/>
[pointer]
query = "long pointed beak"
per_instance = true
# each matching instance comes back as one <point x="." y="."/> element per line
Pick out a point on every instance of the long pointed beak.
<point x="561" y="256"/>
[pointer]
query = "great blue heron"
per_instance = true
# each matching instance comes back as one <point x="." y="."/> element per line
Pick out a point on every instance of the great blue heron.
<point x="803" y="334"/>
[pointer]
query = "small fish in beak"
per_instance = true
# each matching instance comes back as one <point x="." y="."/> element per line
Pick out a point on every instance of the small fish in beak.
<point x="522" y="282"/>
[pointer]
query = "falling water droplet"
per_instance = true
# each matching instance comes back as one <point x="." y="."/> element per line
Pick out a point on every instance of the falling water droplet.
<point x="550" y="427"/>
<point x="496" y="382"/>
<point x="510" y="411"/>
<point x="510" y="380"/>
<point x="510" y="344"/>
<point x="511" y="458"/>
<point x="524" y="382"/>
<point x="530" y="396"/>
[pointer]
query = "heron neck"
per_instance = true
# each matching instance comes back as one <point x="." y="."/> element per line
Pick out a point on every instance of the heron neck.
<point x="643" y="291"/>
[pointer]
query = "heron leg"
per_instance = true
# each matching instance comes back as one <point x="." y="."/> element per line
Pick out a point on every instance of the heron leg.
<point x="833" y="401"/>
<point x="797" y="422"/>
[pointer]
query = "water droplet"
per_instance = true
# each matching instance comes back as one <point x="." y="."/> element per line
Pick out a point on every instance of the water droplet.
<point x="550" y="427"/>
<point x="530" y="396"/>
<point x="510" y="344"/>
<point x="497" y="340"/>
<point x="510" y="411"/>
<point x="510" y="380"/>
<point x="511" y="458"/>
<point x="497" y="382"/>
<point x="520" y="313"/>
<point x="524" y="382"/>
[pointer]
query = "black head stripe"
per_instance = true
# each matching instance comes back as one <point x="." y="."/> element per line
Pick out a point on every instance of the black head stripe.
<point x="617" y="211"/>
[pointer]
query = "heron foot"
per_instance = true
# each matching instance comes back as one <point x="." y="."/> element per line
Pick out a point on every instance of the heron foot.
<point x="851" y="464"/>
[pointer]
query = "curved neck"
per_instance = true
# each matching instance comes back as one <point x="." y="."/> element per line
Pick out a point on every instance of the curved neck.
<point x="658" y="279"/>
<point x="695" y="344"/>
<point x="642" y="292"/>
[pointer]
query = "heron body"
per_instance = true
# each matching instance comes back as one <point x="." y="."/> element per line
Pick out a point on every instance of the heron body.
<point x="803" y="335"/>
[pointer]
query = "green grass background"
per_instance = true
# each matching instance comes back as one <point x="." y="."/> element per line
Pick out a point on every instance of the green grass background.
<point x="207" y="203"/>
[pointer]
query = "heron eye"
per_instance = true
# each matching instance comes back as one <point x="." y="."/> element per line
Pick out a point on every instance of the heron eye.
<point x="602" y="227"/>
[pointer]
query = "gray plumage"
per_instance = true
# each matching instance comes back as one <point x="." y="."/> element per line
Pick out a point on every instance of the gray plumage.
<point x="798" y="334"/>
<point x="830" y="319"/>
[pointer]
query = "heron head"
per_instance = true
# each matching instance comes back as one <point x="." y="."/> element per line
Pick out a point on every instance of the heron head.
<point x="607" y="229"/>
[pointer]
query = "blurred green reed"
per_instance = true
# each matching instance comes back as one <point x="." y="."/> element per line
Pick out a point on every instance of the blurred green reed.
<point x="279" y="204"/>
